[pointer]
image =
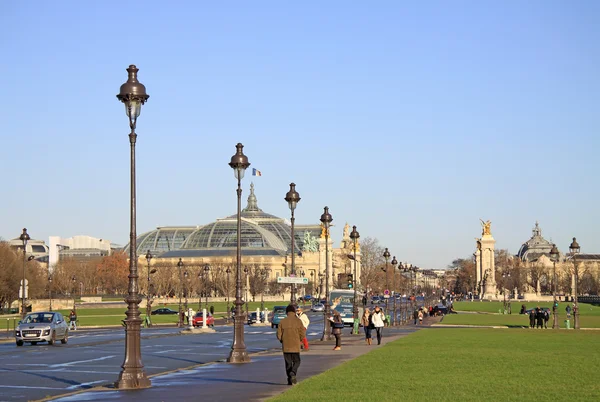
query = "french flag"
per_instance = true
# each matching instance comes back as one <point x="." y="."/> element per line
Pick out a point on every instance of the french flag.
<point x="256" y="172"/>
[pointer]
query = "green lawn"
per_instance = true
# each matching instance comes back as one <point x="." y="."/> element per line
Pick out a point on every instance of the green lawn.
<point x="513" y="320"/>
<point x="465" y="365"/>
<point x="589" y="315"/>
<point x="495" y="307"/>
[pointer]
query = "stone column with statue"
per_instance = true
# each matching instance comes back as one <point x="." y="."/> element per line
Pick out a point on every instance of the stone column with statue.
<point x="485" y="262"/>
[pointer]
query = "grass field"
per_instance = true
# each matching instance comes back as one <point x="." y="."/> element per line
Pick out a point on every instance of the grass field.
<point x="465" y="365"/>
<point x="589" y="315"/>
<point x="114" y="316"/>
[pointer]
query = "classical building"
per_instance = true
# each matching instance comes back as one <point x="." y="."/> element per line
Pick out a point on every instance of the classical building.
<point x="265" y="244"/>
<point x="536" y="247"/>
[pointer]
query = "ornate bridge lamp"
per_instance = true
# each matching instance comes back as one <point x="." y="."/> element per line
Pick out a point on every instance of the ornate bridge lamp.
<point x="394" y="263"/>
<point x="574" y="249"/>
<point x="354" y="236"/>
<point x="24" y="239"/>
<point x="149" y="257"/>
<point x="554" y="255"/>
<point x="239" y="163"/>
<point x="326" y="220"/>
<point x="133" y="95"/>
<point x="386" y="255"/>
<point x="293" y="198"/>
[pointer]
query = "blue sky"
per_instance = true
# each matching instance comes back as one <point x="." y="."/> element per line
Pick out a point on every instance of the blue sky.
<point x="410" y="121"/>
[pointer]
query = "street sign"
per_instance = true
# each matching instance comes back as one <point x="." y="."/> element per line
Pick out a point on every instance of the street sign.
<point x="290" y="279"/>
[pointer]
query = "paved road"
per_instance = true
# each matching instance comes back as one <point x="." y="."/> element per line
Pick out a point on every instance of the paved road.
<point x="93" y="357"/>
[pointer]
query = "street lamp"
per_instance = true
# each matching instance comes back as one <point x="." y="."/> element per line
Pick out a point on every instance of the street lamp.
<point x="246" y="271"/>
<point x="149" y="257"/>
<point x="354" y="235"/>
<point x="133" y="95"/>
<point x="293" y="198"/>
<point x="206" y="288"/>
<point x="554" y="255"/>
<point x="74" y="287"/>
<point x="50" y="291"/>
<point x="504" y="280"/>
<point x="265" y="276"/>
<point x="24" y="239"/>
<point x="185" y="291"/>
<point x="239" y="163"/>
<point x="394" y="263"/>
<point x="326" y="219"/>
<point x="228" y="271"/>
<point x="386" y="255"/>
<point x="179" y="268"/>
<point x="321" y="275"/>
<point x="574" y="249"/>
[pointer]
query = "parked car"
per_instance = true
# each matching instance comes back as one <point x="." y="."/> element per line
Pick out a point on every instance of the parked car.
<point x="319" y="308"/>
<point x="44" y="326"/>
<point x="163" y="311"/>
<point x="252" y="319"/>
<point x="277" y="315"/>
<point x="198" y="320"/>
<point x="377" y="299"/>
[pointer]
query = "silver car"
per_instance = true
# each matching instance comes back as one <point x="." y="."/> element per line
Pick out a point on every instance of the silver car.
<point x="318" y="307"/>
<point x="43" y="326"/>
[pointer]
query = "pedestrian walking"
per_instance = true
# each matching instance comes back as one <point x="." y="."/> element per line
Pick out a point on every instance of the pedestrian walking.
<point x="290" y="333"/>
<point x="568" y="310"/>
<point x="306" y="322"/>
<point x="366" y="323"/>
<point x="378" y="320"/>
<point x="415" y="316"/>
<point x="73" y="320"/>
<point x="337" y="325"/>
<point x="546" y="318"/>
<point x="420" y="315"/>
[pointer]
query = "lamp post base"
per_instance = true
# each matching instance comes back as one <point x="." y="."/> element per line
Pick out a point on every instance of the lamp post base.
<point x="133" y="378"/>
<point x="238" y="356"/>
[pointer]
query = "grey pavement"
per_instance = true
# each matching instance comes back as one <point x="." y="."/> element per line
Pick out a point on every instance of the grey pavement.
<point x="258" y="380"/>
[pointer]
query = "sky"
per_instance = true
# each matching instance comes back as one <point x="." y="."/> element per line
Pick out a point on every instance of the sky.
<point x="411" y="121"/>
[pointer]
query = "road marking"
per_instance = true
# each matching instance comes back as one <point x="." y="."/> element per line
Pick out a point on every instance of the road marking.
<point x="165" y="351"/>
<point x="80" y="361"/>
<point x="84" y="384"/>
<point x="28" y="387"/>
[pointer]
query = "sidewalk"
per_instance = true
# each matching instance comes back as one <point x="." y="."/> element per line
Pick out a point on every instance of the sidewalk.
<point x="264" y="377"/>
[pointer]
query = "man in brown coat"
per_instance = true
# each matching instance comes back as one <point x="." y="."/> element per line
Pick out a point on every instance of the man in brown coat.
<point x="290" y="333"/>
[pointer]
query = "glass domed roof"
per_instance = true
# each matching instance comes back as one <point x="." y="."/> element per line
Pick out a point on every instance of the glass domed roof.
<point x="259" y="230"/>
<point x="162" y="239"/>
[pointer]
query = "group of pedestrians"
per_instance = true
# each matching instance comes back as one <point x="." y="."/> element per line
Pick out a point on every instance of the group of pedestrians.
<point x="373" y="321"/>
<point x="538" y="318"/>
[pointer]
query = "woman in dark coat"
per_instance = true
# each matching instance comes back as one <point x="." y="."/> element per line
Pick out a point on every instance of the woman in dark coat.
<point x="336" y="329"/>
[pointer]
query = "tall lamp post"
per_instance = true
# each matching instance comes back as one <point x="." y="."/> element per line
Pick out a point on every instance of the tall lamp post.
<point x="394" y="263"/>
<point x="293" y="198"/>
<point x="574" y="249"/>
<point x="180" y="312"/>
<point x="554" y="255"/>
<point x="149" y="257"/>
<point x="386" y="255"/>
<point x="133" y="95"/>
<point x="321" y="275"/>
<point x="206" y="288"/>
<point x="227" y="272"/>
<point x="24" y="239"/>
<point x="354" y="236"/>
<point x="74" y="287"/>
<point x="326" y="220"/>
<point x="50" y="291"/>
<point x="185" y="293"/>
<point x="239" y="163"/>
<point x="246" y="271"/>
<point x="505" y="278"/>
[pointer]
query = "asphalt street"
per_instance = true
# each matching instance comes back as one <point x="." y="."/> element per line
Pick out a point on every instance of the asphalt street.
<point x="94" y="356"/>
